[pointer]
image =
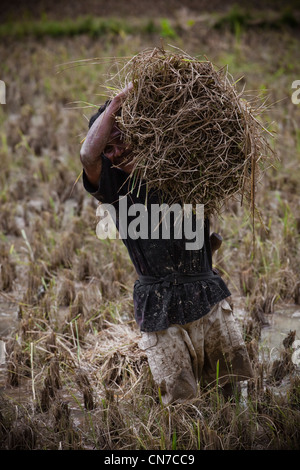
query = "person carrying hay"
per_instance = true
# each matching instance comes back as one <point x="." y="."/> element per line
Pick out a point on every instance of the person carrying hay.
<point x="188" y="330"/>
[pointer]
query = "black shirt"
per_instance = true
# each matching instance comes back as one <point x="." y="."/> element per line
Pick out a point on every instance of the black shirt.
<point x="159" y="305"/>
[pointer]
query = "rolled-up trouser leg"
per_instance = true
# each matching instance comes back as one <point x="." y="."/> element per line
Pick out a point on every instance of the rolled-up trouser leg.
<point x="171" y="363"/>
<point x="224" y="346"/>
<point x="211" y="349"/>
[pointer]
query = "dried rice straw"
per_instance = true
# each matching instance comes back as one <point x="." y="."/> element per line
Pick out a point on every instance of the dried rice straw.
<point x="193" y="135"/>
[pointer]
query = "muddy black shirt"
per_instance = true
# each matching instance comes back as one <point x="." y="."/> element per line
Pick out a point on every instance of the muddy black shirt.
<point x="159" y="305"/>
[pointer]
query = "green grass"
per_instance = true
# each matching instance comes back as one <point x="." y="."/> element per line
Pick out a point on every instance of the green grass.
<point x="92" y="26"/>
<point x="236" y="20"/>
<point x="240" y="19"/>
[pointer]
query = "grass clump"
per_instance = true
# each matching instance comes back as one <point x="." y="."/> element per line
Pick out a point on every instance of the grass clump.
<point x="187" y="123"/>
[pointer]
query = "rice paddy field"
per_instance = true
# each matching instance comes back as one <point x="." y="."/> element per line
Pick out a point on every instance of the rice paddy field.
<point x="71" y="374"/>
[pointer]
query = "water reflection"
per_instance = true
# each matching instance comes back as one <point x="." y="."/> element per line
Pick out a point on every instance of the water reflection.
<point x="282" y="321"/>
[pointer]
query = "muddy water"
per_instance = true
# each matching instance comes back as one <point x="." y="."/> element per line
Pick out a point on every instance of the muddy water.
<point x="284" y="319"/>
<point x="8" y="323"/>
<point x="281" y="322"/>
<point x="8" y="318"/>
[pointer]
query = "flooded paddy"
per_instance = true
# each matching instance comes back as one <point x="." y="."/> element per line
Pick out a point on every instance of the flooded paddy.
<point x="281" y="322"/>
<point x="71" y="373"/>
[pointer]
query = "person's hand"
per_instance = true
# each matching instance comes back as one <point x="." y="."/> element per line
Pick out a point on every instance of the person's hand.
<point x="120" y="97"/>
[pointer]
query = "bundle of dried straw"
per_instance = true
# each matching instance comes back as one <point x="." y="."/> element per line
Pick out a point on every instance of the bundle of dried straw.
<point x="193" y="135"/>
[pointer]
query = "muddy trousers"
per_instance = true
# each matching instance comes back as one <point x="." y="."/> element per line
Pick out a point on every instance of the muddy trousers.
<point x="210" y="350"/>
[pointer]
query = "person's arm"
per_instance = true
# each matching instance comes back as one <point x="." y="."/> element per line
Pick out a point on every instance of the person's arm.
<point x="97" y="137"/>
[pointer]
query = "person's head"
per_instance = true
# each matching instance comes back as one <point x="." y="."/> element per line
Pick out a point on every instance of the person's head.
<point x="116" y="148"/>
